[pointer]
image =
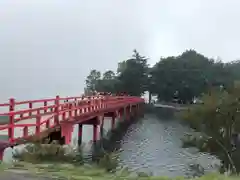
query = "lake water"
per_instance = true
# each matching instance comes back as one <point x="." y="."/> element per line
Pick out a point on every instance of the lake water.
<point x="151" y="144"/>
<point x="154" y="145"/>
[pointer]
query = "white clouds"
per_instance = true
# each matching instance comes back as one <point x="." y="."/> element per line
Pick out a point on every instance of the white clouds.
<point x="48" y="38"/>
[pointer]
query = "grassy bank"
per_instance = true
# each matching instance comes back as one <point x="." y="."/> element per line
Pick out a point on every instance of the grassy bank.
<point x="58" y="162"/>
<point x="54" y="157"/>
<point x="87" y="172"/>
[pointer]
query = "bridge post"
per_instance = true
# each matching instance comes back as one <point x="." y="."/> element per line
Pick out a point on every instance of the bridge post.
<point x="30" y="105"/>
<point x="11" y="104"/>
<point x="89" y="104"/>
<point x="70" y="110"/>
<point x="11" y="119"/>
<point x="80" y="126"/>
<point x="56" y="117"/>
<point x="38" y="124"/>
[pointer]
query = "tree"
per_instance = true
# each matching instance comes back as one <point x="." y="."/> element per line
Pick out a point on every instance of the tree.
<point x="234" y="68"/>
<point x="184" y="77"/>
<point x="108" y="83"/>
<point x="121" y="67"/>
<point x="133" y="75"/>
<point x="189" y="74"/>
<point x="108" y="75"/>
<point x="93" y="80"/>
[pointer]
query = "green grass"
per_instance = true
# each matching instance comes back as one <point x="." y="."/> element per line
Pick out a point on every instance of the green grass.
<point x="85" y="172"/>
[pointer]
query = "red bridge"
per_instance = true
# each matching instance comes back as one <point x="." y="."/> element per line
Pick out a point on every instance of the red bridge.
<point x="38" y="118"/>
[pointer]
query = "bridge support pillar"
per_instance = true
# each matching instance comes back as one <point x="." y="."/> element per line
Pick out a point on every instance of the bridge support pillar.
<point x="135" y="111"/>
<point x="113" y="121"/>
<point x="122" y="114"/>
<point x="95" y="134"/>
<point x="67" y="132"/>
<point x="67" y="138"/>
<point x="119" y="115"/>
<point x="1" y="154"/>
<point x="3" y="146"/>
<point x="101" y="126"/>
<point x="127" y="113"/>
<point x="132" y="111"/>
<point x="80" y="126"/>
<point x="141" y="110"/>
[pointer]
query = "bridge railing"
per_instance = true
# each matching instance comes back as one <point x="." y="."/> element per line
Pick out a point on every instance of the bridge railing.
<point x="54" y="111"/>
<point x="38" y="106"/>
<point x="36" y="110"/>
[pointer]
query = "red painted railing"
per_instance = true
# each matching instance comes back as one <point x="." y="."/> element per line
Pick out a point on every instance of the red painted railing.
<point x="27" y="118"/>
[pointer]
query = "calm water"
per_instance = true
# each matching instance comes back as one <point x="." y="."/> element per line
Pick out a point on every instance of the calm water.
<point x="151" y="145"/>
<point x="154" y="145"/>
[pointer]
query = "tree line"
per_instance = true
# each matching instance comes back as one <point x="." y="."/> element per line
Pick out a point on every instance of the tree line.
<point x="184" y="77"/>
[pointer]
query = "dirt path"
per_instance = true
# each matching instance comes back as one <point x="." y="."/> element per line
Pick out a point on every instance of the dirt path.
<point x="20" y="176"/>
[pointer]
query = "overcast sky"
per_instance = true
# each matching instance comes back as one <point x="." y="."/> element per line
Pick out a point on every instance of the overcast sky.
<point x="48" y="47"/>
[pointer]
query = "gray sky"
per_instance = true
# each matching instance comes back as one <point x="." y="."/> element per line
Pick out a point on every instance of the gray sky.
<point x="48" y="47"/>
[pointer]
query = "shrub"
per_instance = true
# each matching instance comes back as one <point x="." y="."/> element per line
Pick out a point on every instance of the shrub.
<point x="36" y="153"/>
<point x="218" y="119"/>
<point x="109" y="161"/>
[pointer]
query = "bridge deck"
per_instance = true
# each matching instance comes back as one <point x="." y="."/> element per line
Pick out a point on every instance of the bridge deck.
<point x="32" y="120"/>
